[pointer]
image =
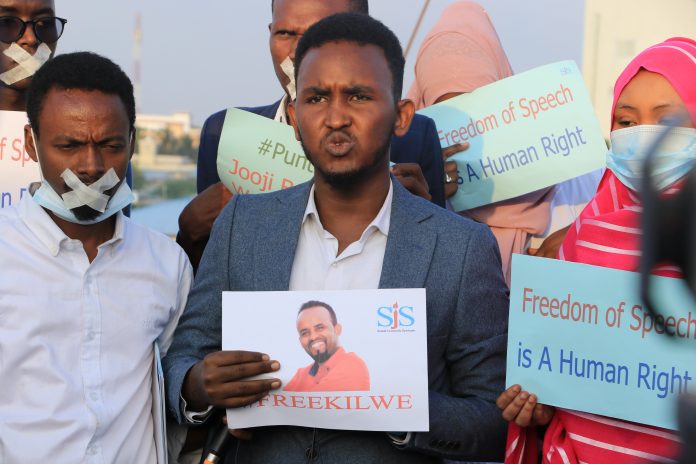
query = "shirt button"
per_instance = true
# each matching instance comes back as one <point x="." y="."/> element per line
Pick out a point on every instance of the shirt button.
<point x="92" y="450"/>
<point x="94" y="396"/>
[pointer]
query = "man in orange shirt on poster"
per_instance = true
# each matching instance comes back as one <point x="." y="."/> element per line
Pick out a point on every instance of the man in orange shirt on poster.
<point x="333" y="368"/>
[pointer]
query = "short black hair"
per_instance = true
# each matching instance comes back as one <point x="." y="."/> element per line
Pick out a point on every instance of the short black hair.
<point x="315" y="303"/>
<point x="356" y="6"/>
<point x="81" y="71"/>
<point x="360" y="29"/>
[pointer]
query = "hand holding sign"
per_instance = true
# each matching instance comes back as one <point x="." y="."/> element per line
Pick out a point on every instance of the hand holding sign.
<point x="452" y="178"/>
<point x="522" y="408"/>
<point x="221" y="379"/>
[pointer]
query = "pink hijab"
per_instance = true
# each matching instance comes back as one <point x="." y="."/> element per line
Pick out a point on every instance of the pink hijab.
<point x="607" y="233"/>
<point x="460" y="54"/>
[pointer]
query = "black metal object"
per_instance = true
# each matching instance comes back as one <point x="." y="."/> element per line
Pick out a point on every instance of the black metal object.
<point x="669" y="235"/>
<point x="669" y="230"/>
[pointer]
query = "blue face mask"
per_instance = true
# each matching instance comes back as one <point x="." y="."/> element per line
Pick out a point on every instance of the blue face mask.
<point x="49" y="199"/>
<point x="673" y="160"/>
<point x="81" y="194"/>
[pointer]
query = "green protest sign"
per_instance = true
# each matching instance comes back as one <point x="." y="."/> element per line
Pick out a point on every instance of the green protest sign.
<point x="257" y="154"/>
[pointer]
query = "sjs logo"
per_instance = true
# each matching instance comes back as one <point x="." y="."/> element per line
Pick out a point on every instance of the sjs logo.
<point x="395" y="318"/>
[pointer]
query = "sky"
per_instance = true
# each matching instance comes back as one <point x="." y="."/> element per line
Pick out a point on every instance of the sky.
<point x="208" y="55"/>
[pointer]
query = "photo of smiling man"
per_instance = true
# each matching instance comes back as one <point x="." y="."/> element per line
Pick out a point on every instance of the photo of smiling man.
<point x="333" y="368"/>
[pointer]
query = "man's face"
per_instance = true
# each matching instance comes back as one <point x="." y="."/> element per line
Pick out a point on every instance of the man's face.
<point x="25" y="10"/>
<point x="318" y="335"/>
<point x="85" y="131"/>
<point x="345" y="113"/>
<point x="291" y="18"/>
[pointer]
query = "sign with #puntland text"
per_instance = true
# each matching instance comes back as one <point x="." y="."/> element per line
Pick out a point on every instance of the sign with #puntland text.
<point x="17" y="170"/>
<point x="257" y="154"/>
<point x="351" y="360"/>
<point x="580" y="338"/>
<point x="525" y="133"/>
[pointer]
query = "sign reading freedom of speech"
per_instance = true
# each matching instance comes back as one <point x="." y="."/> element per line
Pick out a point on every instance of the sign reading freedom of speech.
<point x="17" y="170"/>
<point x="580" y="339"/>
<point x="378" y="380"/>
<point x="525" y="133"/>
<point x="257" y="154"/>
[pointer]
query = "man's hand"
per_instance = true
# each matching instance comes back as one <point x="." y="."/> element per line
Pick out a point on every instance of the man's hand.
<point x="411" y="176"/>
<point x="451" y="174"/>
<point x="522" y="408"/>
<point x="197" y="218"/>
<point x="219" y="380"/>
<point x="549" y="247"/>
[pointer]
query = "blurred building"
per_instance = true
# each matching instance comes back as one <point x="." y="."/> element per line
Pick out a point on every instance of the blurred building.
<point x="617" y="30"/>
<point x="178" y="124"/>
<point x="167" y="145"/>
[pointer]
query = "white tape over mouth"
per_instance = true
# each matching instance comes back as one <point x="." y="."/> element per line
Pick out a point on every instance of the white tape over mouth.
<point x="288" y="68"/>
<point x="27" y="64"/>
<point x="90" y="195"/>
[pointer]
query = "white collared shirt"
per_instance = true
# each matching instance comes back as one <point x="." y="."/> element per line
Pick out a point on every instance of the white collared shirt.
<point x="76" y="338"/>
<point x="359" y="266"/>
<point x="281" y="112"/>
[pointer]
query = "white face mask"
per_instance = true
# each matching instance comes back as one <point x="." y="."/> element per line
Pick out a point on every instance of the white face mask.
<point x="27" y="64"/>
<point x="83" y="195"/>
<point x="674" y="158"/>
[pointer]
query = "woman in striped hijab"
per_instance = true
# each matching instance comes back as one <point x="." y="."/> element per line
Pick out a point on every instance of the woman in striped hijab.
<point x="658" y="85"/>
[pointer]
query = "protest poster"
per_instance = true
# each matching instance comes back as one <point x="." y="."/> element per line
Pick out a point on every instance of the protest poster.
<point x="17" y="170"/>
<point x="580" y="338"/>
<point x="258" y="154"/>
<point x="367" y="369"/>
<point x="525" y="133"/>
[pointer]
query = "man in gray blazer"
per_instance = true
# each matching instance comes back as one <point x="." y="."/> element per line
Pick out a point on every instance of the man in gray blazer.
<point x="353" y="226"/>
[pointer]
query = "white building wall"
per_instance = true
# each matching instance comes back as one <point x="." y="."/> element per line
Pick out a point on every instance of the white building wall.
<point x="617" y="30"/>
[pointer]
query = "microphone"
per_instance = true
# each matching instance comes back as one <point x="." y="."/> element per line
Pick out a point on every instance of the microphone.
<point x="217" y="448"/>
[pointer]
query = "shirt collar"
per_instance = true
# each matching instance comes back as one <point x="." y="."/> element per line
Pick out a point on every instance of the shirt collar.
<point x="281" y="112"/>
<point x="380" y="222"/>
<point x="329" y="363"/>
<point x="47" y="231"/>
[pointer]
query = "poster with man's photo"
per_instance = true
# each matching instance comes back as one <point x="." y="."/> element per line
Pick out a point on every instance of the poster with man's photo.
<point x="351" y="360"/>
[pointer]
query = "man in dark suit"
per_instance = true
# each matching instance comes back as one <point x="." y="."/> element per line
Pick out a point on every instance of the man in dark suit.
<point x="420" y="166"/>
<point x="353" y="226"/>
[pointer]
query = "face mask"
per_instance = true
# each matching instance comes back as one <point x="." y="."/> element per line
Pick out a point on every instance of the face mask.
<point x="673" y="159"/>
<point x="27" y="64"/>
<point x="49" y="199"/>
<point x="82" y="194"/>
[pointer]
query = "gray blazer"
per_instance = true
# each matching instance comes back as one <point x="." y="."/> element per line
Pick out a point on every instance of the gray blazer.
<point x="252" y="247"/>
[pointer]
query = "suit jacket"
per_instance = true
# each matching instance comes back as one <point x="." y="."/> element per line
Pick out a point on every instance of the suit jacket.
<point x="252" y="248"/>
<point x="420" y="145"/>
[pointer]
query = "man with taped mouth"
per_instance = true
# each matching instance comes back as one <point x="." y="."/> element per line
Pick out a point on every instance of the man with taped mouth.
<point x="29" y="32"/>
<point x="353" y="226"/>
<point x="417" y="153"/>
<point x="87" y="297"/>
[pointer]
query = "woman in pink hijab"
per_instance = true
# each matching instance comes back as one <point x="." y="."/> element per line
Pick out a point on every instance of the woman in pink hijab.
<point x="658" y="85"/>
<point x="460" y="54"/>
